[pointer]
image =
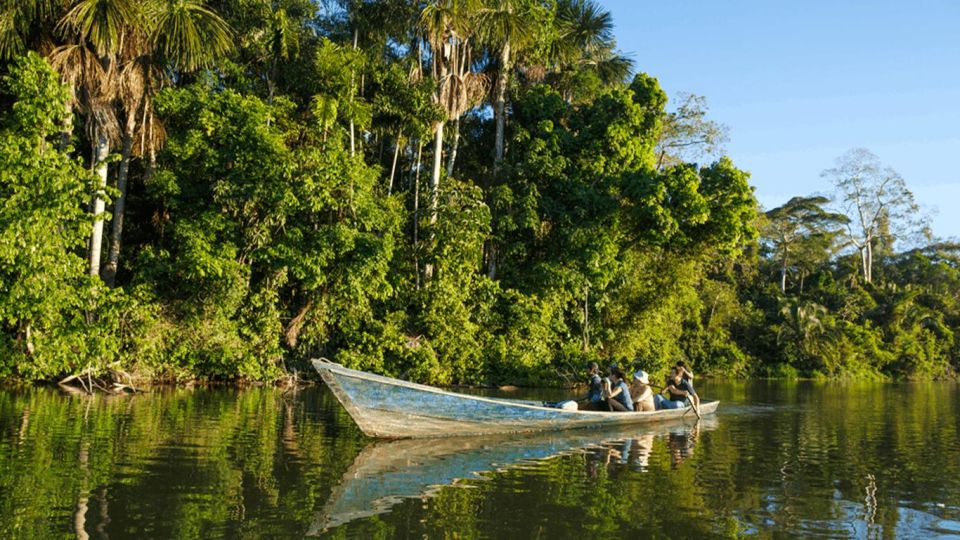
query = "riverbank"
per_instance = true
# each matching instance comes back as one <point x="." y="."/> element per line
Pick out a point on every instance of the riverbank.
<point x="134" y="384"/>
<point x="259" y="232"/>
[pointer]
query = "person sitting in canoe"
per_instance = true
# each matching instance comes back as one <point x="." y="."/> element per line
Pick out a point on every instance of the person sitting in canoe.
<point x="594" y="398"/>
<point x="677" y="390"/>
<point x="688" y="376"/>
<point x="641" y="392"/>
<point x="618" y="394"/>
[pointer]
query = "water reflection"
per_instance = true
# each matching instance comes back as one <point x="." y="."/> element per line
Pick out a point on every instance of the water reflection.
<point x="782" y="459"/>
<point x="385" y="473"/>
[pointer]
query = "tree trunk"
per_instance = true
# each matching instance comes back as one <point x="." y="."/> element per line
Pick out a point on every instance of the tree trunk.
<point x="292" y="334"/>
<point x="353" y="147"/>
<point x="586" y="319"/>
<point x="500" y="105"/>
<point x="660" y="158"/>
<point x="435" y="187"/>
<point x="453" y="147"/>
<point x="28" y="340"/>
<point x="416" y="212"/>
<point x="67" y="130"/>
<point x="119" y="206"/>
<point x="100" y="153"/>
<point x="352" y="144"/>
<point x="151" y="164"/>
<point x="868" y="262"/>
<point x="491" y="260"/>
<point x="864" y="262"/>
<point x="435" y="179"/>
<point x="151" y="149"/>
<point x="396" y="154"/>
<point x="783" y="276"/>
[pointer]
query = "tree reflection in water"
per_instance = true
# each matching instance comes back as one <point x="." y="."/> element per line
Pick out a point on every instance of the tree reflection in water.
<point x="385" y="473"/>
<point x="783" y="459"/>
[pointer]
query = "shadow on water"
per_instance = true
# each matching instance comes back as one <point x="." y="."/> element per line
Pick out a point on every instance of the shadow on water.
<point x="385" y="472"/>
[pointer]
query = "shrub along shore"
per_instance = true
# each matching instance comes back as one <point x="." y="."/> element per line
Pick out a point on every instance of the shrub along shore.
<point x="454" y="192"/>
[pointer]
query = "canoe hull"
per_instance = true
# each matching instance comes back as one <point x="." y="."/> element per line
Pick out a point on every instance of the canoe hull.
<point x="389" y="408"/>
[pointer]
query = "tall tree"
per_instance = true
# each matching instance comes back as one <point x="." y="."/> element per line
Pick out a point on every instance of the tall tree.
<point x="178" y="37"/>
<point x="873" y="197"/>
<point x="109" y="51"/>
<point x="509" y="26"/>
<point x="449" y="27"/>
<point x="793" y="228"/>
<point x="583" y="52"/>
<point x="687" y="133"/>
<point x="40" y="186"/>
<point x="95" y="30"/>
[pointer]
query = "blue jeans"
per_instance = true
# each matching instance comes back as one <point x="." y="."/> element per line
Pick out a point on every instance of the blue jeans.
<point x="663" y="403"/>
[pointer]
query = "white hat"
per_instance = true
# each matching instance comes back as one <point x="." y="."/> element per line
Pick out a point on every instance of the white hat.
<point x="641" y="376"/>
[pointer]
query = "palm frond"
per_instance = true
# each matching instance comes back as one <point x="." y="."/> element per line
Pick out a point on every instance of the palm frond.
<point x="584" y="25"/>
<point x="96" y="84"/>
<point x="11" y="37"/>
<point x="101" y="22"/>
<point x="188" y="34"/>
<point x="21" y="18"/>
<point x="507" y="21"/>
<point x="613" y="67"/>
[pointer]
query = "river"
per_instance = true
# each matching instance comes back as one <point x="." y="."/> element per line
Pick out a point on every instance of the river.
<point x="780" y="459"/>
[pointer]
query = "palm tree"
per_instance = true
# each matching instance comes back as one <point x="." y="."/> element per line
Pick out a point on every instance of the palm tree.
<point x="111" y="51"/>
<point x="805" y="327"/>
<point x="510" y="26"/>
<point x="187" y="36"/>
<point x="585" y="41"/>
<point x="95" y="30"/>
<point x="86" y="34"/>
<point x="585" y="28"/>
<point x="181" y="36"/>
<point x="448" y="26"/>
<point x="26" y="24"/>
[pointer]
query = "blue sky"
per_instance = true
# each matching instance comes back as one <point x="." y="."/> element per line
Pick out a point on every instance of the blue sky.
<point x="800" y="83"/>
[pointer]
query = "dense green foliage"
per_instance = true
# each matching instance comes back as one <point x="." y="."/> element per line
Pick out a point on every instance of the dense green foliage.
<point x="276" y="201"/>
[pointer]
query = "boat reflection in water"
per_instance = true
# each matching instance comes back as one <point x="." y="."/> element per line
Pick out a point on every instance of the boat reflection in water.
<point x="386" y="472"/>
<point x="635" y="451"/>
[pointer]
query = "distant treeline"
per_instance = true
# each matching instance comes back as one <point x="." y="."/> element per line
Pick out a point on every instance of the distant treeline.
<point x="455" y="191"/>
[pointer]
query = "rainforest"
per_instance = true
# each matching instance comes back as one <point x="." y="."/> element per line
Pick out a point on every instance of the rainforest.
<point x="480" y="192"/>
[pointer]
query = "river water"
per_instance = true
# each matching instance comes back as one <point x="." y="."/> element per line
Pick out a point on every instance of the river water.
<point x="778" y="460"/>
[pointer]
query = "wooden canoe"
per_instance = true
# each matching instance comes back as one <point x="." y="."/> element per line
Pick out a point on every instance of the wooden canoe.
<point x="390" y="408"/>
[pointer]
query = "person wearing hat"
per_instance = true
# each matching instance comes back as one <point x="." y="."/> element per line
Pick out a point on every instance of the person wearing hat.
<point x="641" y="392"/>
